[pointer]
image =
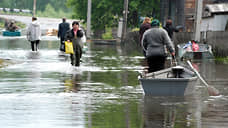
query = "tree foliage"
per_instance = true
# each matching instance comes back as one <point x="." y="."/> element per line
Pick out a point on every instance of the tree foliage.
<point x="50" y="11"/>
<point x="28" y="4"/>
<point x="44" y="8"/>
<point x="107" y="12"/>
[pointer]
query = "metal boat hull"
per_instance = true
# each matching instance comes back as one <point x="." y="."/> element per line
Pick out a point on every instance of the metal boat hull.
<point x="174" y="81"/>
<point x="168" y="86"/>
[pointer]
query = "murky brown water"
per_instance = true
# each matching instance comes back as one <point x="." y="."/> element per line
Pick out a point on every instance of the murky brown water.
<point x="43" y="90"/>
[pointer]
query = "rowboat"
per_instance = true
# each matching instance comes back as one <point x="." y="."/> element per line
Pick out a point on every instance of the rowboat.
<point x="173" y="81"/>
<point x="204" y="52"/>
<point x="10" y="33"/>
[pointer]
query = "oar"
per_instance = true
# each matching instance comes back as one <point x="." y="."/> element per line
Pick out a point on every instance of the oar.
<point x="211" y="90"/>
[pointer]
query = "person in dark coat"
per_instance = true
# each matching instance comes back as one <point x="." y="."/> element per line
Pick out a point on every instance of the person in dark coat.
<point x="145" y="26"/>
<point x="169" y="28"/>
<point x="63" y="28"/>
<point x="75" y="35"/>
<point x="154" y="42"/>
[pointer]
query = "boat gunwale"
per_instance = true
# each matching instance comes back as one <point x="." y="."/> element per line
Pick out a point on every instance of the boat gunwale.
<point x="170" y="79"/>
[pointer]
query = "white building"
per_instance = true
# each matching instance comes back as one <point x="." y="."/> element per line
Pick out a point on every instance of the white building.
<point x="215" y="17"/>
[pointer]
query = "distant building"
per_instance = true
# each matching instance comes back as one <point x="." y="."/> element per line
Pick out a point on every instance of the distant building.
<point x="182" y="12"/>
<point x="215" y="17"/>
<point x="173" y="9"/>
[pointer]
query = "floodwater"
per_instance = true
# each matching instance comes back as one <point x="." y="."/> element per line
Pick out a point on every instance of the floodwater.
<point x="43" y="90"/>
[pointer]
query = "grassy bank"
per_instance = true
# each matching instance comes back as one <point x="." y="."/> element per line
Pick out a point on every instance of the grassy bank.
<point x="16" y="13"/>
<point x="224" y="60"/>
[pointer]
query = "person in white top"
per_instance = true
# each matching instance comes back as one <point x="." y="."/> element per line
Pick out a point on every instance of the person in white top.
<point x="34" y="34"/>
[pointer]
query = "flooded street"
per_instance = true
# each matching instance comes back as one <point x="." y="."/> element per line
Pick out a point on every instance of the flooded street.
<point x="43" y="90"/>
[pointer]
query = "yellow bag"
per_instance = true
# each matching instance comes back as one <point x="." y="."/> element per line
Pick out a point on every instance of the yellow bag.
<point x="69" y="48"/>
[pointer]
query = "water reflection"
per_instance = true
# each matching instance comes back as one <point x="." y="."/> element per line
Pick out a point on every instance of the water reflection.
<point x="116" y="114"/>
<point x="72" y="84"/>
<point x="160" y="112"/>
<point x="33" y="55"/>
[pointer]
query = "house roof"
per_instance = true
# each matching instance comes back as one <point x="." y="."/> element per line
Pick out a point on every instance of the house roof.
<point x="211" y="9"/>
<point x="217" y="8"/>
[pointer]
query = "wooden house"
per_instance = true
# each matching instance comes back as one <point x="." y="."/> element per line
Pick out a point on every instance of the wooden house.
<point x="215" y="17"/>
<point x="182" y="12"/>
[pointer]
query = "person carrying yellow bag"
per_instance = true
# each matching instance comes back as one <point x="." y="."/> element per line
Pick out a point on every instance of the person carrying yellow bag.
<point x="76" y="36"/>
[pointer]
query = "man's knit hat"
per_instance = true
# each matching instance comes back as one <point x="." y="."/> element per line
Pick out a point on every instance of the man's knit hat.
<point x="155" y="22"/>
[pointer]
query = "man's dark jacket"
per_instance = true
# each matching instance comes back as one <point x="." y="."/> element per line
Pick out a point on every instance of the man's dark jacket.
<point x="63" y="28"/>
<point x="170" y="29"/>
<point x="143" y="28"/>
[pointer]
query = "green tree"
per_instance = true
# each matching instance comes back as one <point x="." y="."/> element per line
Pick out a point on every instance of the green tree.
<point x="150" y="8"/>
<point x="103" y="11"/>
<point x="59" y="6"/>
<point x="107" y="12"/>
<point x="50" y="11"/>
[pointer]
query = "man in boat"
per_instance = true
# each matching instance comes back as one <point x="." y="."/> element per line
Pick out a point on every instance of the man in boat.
<point x="63" y="28"/>
<point x="12" y="27"/>
<point x="155" y="41"/>
<point x="77" y="37"/>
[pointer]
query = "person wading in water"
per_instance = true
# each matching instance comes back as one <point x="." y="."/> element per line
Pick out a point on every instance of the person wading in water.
<point x="76" y="36"/>
<point x="34" y="34"/>
<point x="63" y="28"/>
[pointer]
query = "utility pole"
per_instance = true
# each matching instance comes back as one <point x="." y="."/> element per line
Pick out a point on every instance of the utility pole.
<point x="198" y="15"/>
<point x="34" y="8"/>
<point x="88" y="24"/>
<point x="125" y="12"/>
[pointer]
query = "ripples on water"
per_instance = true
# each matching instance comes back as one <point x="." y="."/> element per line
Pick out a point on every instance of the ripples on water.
<point x="43" y="90"/>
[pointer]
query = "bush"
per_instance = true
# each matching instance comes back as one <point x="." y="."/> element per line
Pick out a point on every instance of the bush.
<point x="107" y="34"/>
<point x="135" y="29"/>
